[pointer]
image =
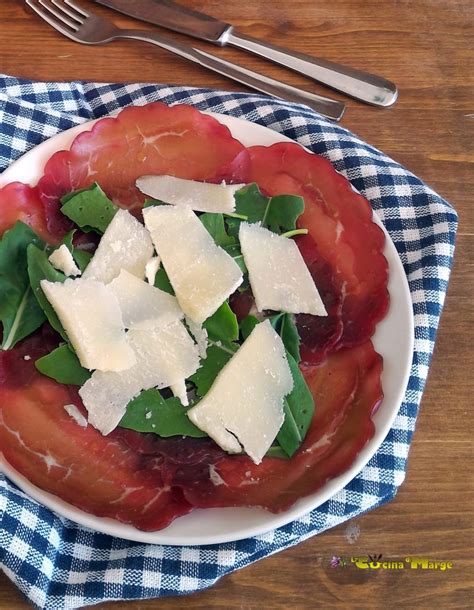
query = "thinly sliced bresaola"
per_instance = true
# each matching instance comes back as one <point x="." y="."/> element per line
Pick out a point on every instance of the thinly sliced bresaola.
<point x="152" y="139"/>
<point x="22" y="202"/>
<point x="148" y="481"/>
<point x="142" y="479"/>
<point x="347" y="390"/>
<point x="340" y="223"/>
<point x="97" y="474"/>
<point x="319" y="335"/>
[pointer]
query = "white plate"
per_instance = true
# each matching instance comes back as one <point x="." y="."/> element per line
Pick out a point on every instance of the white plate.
<point x="393" y="340"/>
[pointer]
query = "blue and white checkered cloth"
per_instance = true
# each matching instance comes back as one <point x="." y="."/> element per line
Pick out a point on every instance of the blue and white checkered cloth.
<point x="58" y="564"/>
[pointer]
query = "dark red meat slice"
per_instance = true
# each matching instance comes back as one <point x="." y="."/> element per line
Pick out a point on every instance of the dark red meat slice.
<point x="340" y="223"/>
<point x="142" y="479"/>
<point x="22" y="202"/>
<point x="148" y="481"/>
<point x="151" y="139"/>
<point x="319" y="334"/>
<point x="100" y="475"/>
<point x="347" y="389"/>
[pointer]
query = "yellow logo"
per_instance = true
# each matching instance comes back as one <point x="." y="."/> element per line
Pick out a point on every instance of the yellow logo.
<point x="375" y="562"/>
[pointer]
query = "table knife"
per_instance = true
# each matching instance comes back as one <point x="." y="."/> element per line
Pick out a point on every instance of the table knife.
<point x="362" y="86"/>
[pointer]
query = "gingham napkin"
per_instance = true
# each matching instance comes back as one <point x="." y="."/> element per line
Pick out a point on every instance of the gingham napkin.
<point x="58" y="564"/>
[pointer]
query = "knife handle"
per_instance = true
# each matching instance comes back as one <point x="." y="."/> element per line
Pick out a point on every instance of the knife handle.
<point x="329" y="108"/>
<point x="362" y="86"/>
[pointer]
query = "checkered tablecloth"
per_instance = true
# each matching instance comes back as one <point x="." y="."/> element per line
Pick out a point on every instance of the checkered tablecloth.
<point x="58" y="564"/>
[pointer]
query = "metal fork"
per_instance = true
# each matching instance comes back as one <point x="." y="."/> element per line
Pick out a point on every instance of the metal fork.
<point x="80" y="25"/>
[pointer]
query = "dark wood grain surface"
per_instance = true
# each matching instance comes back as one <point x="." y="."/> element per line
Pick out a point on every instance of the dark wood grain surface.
<point x="426" y="47"/>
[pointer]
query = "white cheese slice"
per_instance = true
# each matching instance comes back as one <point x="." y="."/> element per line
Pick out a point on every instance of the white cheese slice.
<point x="165" y="356"/>
<point x="202" y="274"/>
<point x="91" y="317"/>
<point x="278" y="275"/>
<point x="151" y="269"/>
<point x="179" y="390"/>
<point x="199" y="196"/>
<point x="76" y="415"/>
<point x="245" y="403"/>
<point x="106" y="396"/>
<point x="143" y="305"/>
<point x="126" y="244"/>
<point x="62" y="260"/>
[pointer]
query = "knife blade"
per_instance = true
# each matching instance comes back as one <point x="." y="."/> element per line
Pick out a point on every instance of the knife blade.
<point x="173" y="16"/>
<point x="360" y="85"/>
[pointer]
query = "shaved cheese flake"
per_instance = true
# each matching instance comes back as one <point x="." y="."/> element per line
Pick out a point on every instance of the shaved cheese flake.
<point x="179" y="390"/>
<point x="245" y="403"/>
<point x="151" y="269"/>
<point x="278" y="275"/>
<point x="62" y="260"/>
<point x="143" y="305"/>
<point x="106" y="396"/>
<point x="126" y="244"/>
<point x="92" y="319"/>
<point x="199" y="196"/>
<point x="202" y="274"/>
<point x="76" y="415"/>
<point x="165" y="356"/>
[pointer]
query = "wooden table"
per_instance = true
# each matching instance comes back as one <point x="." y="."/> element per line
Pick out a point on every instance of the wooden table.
<point x="426" y="47"/>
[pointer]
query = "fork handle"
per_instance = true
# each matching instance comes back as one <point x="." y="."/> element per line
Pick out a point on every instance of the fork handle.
<point x="329" y="108"/>
<point x="362" y="86"/>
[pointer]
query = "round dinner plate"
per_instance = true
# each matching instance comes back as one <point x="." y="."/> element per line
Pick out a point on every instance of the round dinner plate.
<point x="393" y="339"/>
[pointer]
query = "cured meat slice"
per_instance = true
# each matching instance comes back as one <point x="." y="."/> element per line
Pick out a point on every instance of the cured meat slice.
<point x="340" y="223"/>
<point x="319" y="334"/>
<point x="152" y="139"/>
<point x="44" y="443"/>
<point x="22" y="202"/>
<point x="142" y="479"/>
<point x="148" y="481"/>
<point x="347" y="389"/>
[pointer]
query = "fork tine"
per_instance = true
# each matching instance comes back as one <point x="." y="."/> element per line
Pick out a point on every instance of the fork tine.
<point x="59" y="15"/>
<point x="77" y="8"/>
<point x="46" y="15"/>
<point x="62" y="6"/>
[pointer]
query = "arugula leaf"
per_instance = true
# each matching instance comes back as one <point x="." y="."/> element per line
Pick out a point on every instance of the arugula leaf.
<point x="276" y="451"/>
<point x="218" y="354"/>
<point x="282" y="212"/>
<point x="65" y="198"/>
<point x="66" y="241"/>
<point x="63" y="365"/>
<point x="162" y="281"/>
<point x="250" y="202"/>
<point x="150" y="412"/>
<point x="89" y="208"/>
<point x="299" y="410"/>
<point x="233" y="226"/>
<point x="215" y="225"/>
<point x="222" y="325"/>
<point x="20" y="313"/>
<point x="247" y="325"/>
<point x="149" y="203"/>
<point x="279" y="213"/>
<point x="236" y="253"/>
<point x="82" y="258"/>
<point x="284" y="324"/>
<point x="39" y="268"/>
